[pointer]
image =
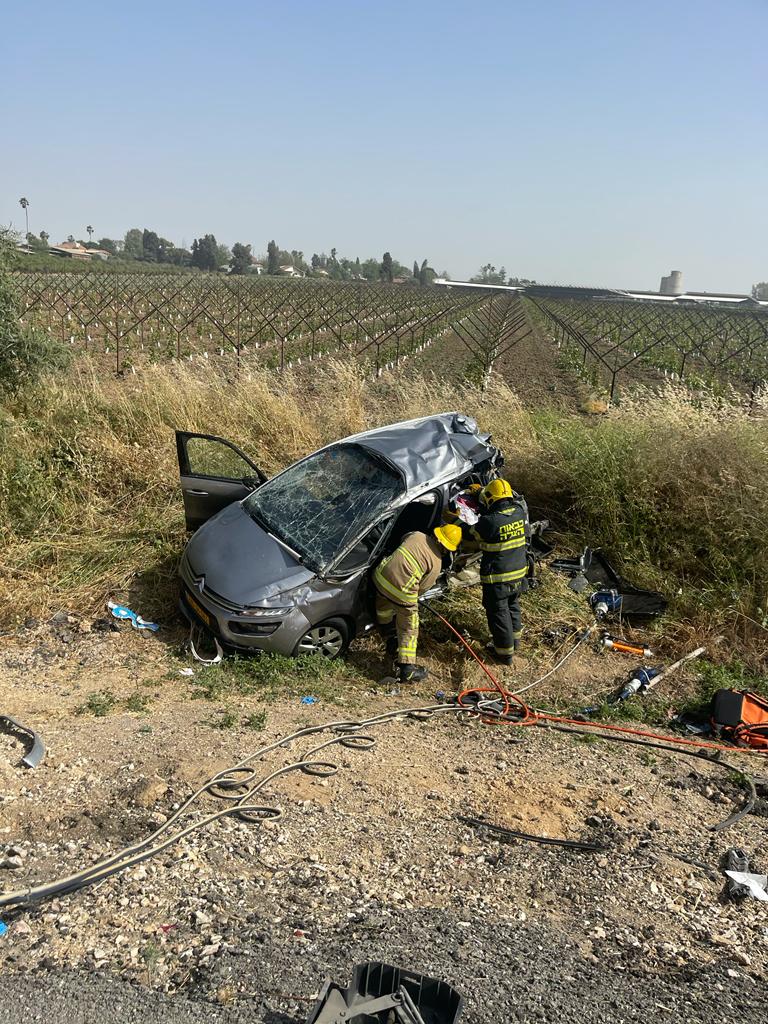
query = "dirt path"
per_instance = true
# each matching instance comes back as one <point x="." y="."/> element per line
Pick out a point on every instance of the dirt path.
<point x="372" y="863"/>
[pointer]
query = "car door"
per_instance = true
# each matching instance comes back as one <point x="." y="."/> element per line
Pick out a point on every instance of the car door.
<point x="214" y="473"/>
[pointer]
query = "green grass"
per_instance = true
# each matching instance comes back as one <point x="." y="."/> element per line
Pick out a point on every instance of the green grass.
<point x="99" y="704"/>
<point x="696" y="699"/>
<point x="138" y="702"/>
<point x="272" y="675"/>
<point x="256" y="721"/>
<point x="104" y="702"/>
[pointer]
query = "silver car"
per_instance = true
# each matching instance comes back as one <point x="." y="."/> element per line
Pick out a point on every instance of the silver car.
<point x="283" y="565"/>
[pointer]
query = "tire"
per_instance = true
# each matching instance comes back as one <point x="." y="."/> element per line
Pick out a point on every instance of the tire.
<point x="330" y="639"/>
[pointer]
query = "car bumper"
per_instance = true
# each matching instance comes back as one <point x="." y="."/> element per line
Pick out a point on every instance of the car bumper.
<point x="232" y="630"/>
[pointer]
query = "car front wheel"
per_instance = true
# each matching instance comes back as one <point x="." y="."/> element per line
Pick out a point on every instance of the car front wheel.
<point x="329" y="639"/>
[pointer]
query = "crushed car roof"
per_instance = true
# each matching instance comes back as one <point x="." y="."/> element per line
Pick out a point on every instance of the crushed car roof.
<point x="430" y="449"/>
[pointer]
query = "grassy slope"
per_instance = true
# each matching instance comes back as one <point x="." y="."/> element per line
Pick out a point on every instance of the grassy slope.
<point x="90" y="506"/>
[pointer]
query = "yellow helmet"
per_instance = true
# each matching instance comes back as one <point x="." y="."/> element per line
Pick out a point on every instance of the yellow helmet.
<point x="495" y="491"/>
<point x="449" y="536"/>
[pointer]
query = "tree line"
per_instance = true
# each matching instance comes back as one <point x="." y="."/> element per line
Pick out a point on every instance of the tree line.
<point x="208" y="254"/>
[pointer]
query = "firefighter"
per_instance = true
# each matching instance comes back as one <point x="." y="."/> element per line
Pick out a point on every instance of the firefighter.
<point x="502" y="534"/>
<point x="399" y="580"/>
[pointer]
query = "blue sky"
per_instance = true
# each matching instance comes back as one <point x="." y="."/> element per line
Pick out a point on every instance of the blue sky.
<point x="579" y="142"/>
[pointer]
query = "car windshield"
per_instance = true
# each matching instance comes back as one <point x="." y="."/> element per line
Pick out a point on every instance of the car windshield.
<point x="324" y="503"/>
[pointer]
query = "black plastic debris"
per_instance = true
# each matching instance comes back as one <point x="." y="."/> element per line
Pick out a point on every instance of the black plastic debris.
<point x="633" y="603"/>
<point x="382" y="994"/>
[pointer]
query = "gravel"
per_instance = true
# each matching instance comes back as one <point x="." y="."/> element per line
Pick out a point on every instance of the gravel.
<point x="505" y="971"/>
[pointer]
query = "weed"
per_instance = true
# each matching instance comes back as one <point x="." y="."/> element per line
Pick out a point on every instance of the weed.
<point x="150" y="955"/>
<point x="226" y="718"/>
<point x="256" y="721"/>
<point x="272" y="675"/>
<point x="588" y="738"/>
<point x="99" y="704"/>
<point x="138" y="702"/>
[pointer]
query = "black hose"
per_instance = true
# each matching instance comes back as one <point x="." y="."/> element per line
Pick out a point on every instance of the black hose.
<point x="569" y="844"/>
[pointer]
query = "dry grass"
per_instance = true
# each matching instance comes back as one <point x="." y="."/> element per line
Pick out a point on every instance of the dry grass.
<point x="90" y="505"/>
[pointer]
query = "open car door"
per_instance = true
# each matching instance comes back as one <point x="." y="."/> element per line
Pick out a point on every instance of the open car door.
<point x="214" y="473"/>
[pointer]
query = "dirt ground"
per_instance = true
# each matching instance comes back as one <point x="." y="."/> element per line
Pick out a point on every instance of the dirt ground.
<point x="372" y="862"/>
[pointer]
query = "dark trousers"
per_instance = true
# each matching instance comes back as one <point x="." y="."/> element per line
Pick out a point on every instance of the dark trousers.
<point x="502" y="606"/>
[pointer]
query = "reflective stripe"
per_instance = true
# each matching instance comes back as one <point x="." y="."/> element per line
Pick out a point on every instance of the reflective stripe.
<point x="504" y="545"/>
<point x="504" y="650"/>
<point x="518" y="634"/>
<point x="393" y="592"/>
<point x="505" y="577"/>
<point x="411" y="560"/>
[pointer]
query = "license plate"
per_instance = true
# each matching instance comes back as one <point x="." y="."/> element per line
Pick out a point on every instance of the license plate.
<point x="199" y="610"/>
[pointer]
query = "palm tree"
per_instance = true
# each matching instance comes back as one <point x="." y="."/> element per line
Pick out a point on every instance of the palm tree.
<point x="89" y="229"/>
<point x="24" y="203"/>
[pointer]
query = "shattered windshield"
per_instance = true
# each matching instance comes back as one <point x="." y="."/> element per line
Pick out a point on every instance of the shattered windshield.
<point x="324" y="503"/>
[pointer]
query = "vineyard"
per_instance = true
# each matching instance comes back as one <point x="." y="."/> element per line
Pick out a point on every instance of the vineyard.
<point x="279" y="323"/>
<point x="645" y="340"/>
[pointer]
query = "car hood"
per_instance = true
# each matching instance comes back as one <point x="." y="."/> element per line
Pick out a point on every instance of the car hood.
<point x="240" y="561"/>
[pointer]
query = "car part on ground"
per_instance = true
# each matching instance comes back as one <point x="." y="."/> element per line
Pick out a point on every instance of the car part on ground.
<point x="36" y="751"/>
<point x="383" y="994"/>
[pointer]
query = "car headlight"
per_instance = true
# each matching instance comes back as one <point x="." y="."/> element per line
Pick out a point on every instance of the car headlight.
<point x="262" y="613"/>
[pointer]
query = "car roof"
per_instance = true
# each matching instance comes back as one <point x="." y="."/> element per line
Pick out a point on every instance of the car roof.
<point x="428" y="450"/>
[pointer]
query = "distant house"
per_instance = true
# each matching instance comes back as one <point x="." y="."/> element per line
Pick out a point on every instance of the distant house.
<point x="71" y="250"/>
<point x="322" y="273"/>
<point x="99" y="254"/>
<point x="290" y="271"/>
<point x="256" y="267"/>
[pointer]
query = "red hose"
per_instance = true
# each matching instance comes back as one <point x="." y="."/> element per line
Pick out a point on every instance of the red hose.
<point x="529" y="716"/>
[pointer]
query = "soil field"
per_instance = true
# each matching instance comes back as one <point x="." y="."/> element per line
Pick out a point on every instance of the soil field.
<point x="372" y="863"/>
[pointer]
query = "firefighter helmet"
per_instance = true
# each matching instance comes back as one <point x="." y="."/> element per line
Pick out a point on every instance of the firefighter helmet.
<point x="495" y="491"/>
<point x="449" y="536"/>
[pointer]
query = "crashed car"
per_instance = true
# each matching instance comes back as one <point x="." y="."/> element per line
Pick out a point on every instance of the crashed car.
<point x="284" y="564"/>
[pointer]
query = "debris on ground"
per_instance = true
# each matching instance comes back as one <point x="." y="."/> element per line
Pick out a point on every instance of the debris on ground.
<point x="382" y="994"/>
<point x="119" y="611"/>
<point x="36" y="751"/>
<point x="743" y="882"/>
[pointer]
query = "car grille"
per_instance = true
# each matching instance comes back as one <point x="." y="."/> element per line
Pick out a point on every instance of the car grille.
<point x="192" y="582"/>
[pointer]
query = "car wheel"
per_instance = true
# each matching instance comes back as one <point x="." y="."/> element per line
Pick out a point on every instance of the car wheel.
<point x="328" y="639"/>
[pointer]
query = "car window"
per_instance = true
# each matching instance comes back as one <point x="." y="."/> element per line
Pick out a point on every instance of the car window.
<point x="360" y="555"/>
<point x="213" y="458"/>
<point x="321" y="505"/>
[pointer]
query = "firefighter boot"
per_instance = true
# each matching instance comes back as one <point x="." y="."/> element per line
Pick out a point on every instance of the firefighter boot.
<point x="500" y="659"/>
<point x="411" y="673"/>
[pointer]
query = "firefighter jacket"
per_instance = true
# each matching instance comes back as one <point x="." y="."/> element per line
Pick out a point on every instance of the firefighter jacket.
<point x="502" y="535"/>
<point x="410" y="570"/>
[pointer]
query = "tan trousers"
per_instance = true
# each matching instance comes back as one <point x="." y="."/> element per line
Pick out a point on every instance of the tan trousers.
<point x="406" y="622"/>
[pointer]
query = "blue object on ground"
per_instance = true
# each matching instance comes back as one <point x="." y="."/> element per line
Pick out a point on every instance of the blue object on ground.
<point x="3" y="928"/>
<point x="119" y="611"/>
<point x="309" y="700"/>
